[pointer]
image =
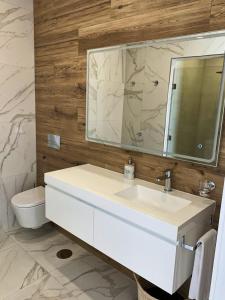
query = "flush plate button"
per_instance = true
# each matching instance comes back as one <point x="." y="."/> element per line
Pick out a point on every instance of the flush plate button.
<point x="54" y="141"/>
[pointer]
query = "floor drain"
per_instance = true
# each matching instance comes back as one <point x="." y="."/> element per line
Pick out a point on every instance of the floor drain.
<point x="64" y="253"/>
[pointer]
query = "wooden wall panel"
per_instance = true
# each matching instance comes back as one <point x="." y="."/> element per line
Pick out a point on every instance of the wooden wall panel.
<point x="64" y="30"/>
<point x="217" y="20"/>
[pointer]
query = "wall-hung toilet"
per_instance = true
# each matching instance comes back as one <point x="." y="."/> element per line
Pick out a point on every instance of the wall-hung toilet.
<point x="29" y="208"/>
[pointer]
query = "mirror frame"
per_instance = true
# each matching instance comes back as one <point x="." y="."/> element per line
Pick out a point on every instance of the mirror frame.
<point x="152" y="42"/>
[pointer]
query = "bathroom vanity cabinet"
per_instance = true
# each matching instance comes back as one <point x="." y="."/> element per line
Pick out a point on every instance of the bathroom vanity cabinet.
<point x="142" y="235"/>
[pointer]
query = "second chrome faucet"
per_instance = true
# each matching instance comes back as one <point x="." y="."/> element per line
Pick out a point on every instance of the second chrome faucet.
<point x="167" y="177"/>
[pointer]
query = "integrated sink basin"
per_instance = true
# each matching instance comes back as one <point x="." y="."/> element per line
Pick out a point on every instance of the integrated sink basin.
<point x="161" y="200"/>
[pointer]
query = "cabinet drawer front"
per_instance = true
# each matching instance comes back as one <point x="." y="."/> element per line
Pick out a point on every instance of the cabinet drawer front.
<point x="70" y="213"/>
<point x="145" y="254"/>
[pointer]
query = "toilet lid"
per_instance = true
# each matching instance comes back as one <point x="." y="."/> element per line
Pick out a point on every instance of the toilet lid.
<point x="29" y="198"/>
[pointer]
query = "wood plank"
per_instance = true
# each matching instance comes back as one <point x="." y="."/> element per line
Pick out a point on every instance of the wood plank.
<point x="184" y="18"/>
<point x="125" y="8"/>
<point x="190" y="11"/>
<point x="217" y="20"/>
<point x="46" y="10"/>
<point x="63" y="27"/>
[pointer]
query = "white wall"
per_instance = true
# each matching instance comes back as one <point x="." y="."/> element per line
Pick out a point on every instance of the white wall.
<point x="218" y="280"/>
<point x="17" y="104"/>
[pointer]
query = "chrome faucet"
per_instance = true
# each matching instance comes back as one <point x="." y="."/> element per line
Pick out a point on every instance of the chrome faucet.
<point x="168" y="180"/>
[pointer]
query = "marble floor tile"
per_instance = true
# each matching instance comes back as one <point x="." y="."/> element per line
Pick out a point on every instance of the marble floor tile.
<point x="97" y="285"/>
<point x="81" y="264"/>
<point x="5" y="241"/>
<point x="39" y="239"/>
<point x="44" y="243"/>
<point x="17" y="270"/>
<point x="60" y="268"/>
<point x="46" y="288"/>
<point x="83" y="276"/>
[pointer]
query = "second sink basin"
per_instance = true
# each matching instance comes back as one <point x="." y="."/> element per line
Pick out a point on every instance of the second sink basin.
<point x="161" y="200"/>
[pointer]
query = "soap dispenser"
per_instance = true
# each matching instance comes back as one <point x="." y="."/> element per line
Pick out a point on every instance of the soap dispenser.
<point x="129" y="169"/>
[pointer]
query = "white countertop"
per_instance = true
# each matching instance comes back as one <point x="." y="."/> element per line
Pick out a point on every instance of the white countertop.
<point x="97" y="186"/>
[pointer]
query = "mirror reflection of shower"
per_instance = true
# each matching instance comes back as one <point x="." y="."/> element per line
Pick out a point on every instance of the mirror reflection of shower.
<point x="194" y="101"/>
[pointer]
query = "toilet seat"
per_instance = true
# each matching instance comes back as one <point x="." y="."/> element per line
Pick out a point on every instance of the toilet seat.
<point x="29" y="198"/>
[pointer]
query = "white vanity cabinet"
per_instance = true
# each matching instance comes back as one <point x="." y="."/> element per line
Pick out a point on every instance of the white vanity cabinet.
<point x="161" y="261"/>
<point x="70" y="213"/>
<point x="147" y="240"/>
<point x="142" y="252"/>
<point x="146" y="254"/>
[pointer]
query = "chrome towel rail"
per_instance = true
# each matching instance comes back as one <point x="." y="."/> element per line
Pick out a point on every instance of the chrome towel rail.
<point x="195" y="247"/>
<point x="188" y="247"/>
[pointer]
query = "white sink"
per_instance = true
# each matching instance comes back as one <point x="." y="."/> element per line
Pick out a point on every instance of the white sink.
<point x="162" y="200"/>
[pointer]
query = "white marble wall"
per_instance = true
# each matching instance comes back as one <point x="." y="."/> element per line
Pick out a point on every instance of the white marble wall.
<point x="147" y="81"/>
<point x="17" y="104"/>
<point x="106" y="94"/>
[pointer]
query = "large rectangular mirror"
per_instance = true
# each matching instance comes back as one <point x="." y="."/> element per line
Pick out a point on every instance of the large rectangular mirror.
<point x="161" y="97"/>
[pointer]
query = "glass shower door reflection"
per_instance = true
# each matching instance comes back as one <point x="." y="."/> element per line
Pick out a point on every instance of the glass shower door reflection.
<point x="194" y="107"/>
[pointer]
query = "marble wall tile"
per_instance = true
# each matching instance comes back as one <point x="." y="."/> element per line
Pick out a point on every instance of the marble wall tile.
<point x="26" y="4"/>
<point x="16" y="91"/>
<point x="17" y="104"/>
<point x="199" y="47"/>
<point x="106" y="110"/>
<point x="133" y="99"/>
<point x="107" y="66"/>
<point x="106" y="93"/>
<point x="109" y="111"/>
<point x="18" y="144"/>
<point x="16" y="35"/>
<point x="92" y="108"/>
<point x="135" y="65"/>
